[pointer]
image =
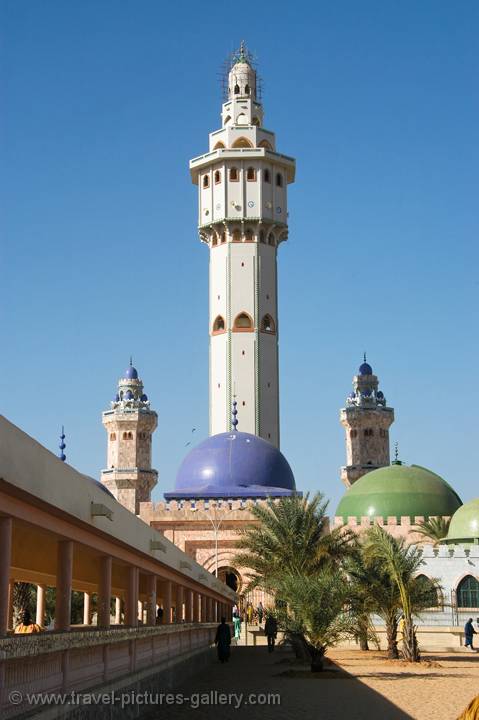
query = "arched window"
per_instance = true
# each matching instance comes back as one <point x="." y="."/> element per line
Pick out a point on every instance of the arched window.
<point x="130" y="436"/>
<point x="217" y="177"/>
<point x="243" y="323"/>
<point x="218" y="325"/>
<point x="248" y="235"/>
<point x="236" y="236"/>
<point x="246" y="89"/>
<point x="234" y="174"/>
<point x="468" y="592"/>
<point x="271" y="239"/>
<point x="251" y="174"/>
<point x="353" y="433"/>
<point x="429" y="589"/>
<point x="261" y="236"/>
<point x="255" y="121"/>
<point x="242" y="142"/>
<point x="242" y="119"/>
<point x="206" y="181"/>
<point x="267" y="176"/>
<point x="223" y="237"/>
<point x="112" y="436"/>
<point x="237" y="89"/>
<point x="267" y="324"/>
<point x="279" y="180"/>
<point x="265" y="144"/>
<point x="369" y="432"/>
<point x="214" y="240"/>
<point x="219" y="145"/>
<point x="125" y="436"/>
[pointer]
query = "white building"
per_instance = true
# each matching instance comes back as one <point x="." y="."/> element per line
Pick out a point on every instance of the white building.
<point x="243" y="218"/>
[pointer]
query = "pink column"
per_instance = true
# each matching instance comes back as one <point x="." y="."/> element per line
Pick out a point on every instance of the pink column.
<point x="104" y="592"/>
<point x="179" y="603"/>
<point x="167" y="590"/>
<point x="40" y="619"/>
<point x="151" y="600"/>
<point x="196" y="607"/>
<point x="86" y="609"/>
<point x="131" y="597"/>
<point x="63" y="603"/>
<point x="6" y="526"/>
<point x="189" y="606"/>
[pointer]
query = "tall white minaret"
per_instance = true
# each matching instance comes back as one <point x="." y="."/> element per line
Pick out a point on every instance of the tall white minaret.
<point x="243" y="217"/>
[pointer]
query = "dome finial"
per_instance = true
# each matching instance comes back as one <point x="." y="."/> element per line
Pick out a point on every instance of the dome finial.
<point x="364" y="357"/>
<point x="396" y="460"/>
<point x="234" y="413"/>
<point x="131" y="360"/>
<point x="62" y="446"/>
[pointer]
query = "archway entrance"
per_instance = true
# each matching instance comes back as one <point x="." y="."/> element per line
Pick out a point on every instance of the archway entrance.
<point x="230" y="577"/>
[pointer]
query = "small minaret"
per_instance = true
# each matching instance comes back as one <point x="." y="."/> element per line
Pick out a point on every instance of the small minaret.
<point x="243" y="218"/>
<point x="130" y="424"/>
<point x="366" y="419"/>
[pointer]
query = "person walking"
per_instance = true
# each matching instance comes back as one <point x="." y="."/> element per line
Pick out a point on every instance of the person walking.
<point x="468" y="634"/>
<point x="260" y="611"/>
<point x="237" y="626"/>
<point x="271" y="630"/>
<point x="223" y="641"/>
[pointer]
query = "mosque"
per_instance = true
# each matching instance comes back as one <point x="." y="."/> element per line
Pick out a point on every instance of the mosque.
<point x="242" y="183"/>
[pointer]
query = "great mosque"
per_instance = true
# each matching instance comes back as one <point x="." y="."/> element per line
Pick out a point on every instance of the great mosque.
<point x="242" y="183"/>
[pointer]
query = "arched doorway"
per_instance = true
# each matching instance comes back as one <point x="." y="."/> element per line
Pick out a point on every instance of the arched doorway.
<point x="230" y="577"/>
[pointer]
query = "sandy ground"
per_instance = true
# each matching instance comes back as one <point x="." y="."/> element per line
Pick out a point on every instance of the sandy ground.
<point x="356" y="686"/>
<point x="438" y="688"/>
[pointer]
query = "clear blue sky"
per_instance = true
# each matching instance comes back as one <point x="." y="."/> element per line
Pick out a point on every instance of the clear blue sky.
<point x="104" y="102"/>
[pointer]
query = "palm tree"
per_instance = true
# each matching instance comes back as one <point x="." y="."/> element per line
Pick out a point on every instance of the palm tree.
<point x="401" y="563"/>
<point x="434" y="528"/>
<point x="290" y="536"/>
<point x="314" y="613"/>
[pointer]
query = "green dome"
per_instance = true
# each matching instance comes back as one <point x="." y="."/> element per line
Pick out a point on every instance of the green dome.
<point x="399" y="490"/>
<point x="464" y="525"/>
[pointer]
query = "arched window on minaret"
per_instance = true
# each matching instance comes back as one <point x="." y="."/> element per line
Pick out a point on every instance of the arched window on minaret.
<point x="267" y="176"/>
<point x="242" y="142"/>
<point x="248" y="235"/>
<point x="217" y="177"/>
<point x="112" y="436"/>
<point x="251" y="174"/>
<point x="271" y="239"/>
<point x="237" y="89"/>
<point x="265" y="144"/>
<point x="219" y="145"/>
<point x="206" y="181"/>
<point x="267" y="324"/>
<point x="219" y="325"/>
<point x="261" y="236"/>
<point x="279" y="180"/>
<point x="243" y="323"/>
<point x="236" y="236"/>
<point x="246" y="90"/>
<point x="214" y="240"/>
<point x="234" y="174"/>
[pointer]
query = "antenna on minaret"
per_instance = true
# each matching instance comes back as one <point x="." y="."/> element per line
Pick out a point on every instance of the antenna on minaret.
<point x="62" y="446"/>
<point x="234" y="413"/>
<point x="131" y="360"/>
<point x="364" y="357"/>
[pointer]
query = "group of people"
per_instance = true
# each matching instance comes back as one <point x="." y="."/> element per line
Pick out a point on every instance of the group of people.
<point x="223" y="632"/>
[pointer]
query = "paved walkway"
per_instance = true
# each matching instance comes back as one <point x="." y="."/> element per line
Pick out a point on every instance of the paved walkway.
<point x="252" y="673"/>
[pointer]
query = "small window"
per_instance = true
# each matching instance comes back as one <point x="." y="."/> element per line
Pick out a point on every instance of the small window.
<point x="125" y="436"/>
<point x="237" y="89"/>
<point x="267" y="176"/>
<point x="246" y="89"/>
<point x="369" y="432"/>
<point x="112" y="436"/>
<point x="130" y="436"/>
<point x="271" y="239"/>
<point x="206" y="181"/>
<point x="353" y="433"/>
<point x="248" y="236"/>
<point x="251" y="174"/>
<point x="267" y="324"/>
<point x="279" y="180"/>
<point x="243" y="323"/>
<point x="234" y="174"/>
<point x="236" y="237"/>
<point x="219" y="325"/>
<point x="217" y="177"/>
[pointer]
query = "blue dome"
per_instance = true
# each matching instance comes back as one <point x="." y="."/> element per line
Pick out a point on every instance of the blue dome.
<point x="365" y="369"/>
<point x="128" y="395"/>
<point x="234" y="464"/>
<point x="131" y="373"/>
<point x="144" y="398"/>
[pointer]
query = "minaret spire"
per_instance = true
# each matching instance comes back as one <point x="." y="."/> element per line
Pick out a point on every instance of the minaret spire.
<point x="62" y="446"/>
<point x="234" y="414"/>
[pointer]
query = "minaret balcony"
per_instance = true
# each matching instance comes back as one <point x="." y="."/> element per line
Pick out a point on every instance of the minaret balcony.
<point x="222" y="154"/>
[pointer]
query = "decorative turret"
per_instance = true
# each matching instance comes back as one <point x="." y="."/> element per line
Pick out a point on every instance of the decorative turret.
<point x="130" y="424"/>
<point x="243" y="218"/>
<point x="366" y="419"/>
